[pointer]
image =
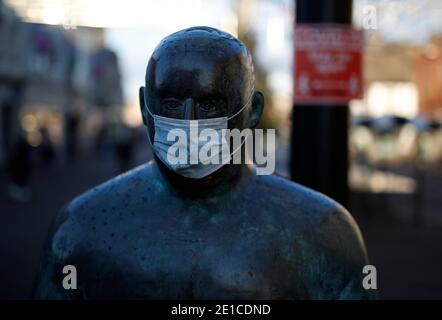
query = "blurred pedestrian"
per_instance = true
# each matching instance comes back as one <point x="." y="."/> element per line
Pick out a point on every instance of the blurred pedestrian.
<point x="72" y="120"/>
<point x="47" y="147"/>
<point x="19" y="164"/>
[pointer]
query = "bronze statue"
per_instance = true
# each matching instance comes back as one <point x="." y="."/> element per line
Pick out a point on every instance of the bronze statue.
<point x="155" y="234"/>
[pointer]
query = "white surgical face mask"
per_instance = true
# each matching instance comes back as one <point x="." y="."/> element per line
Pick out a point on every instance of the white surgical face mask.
<point x="183" y="145"/>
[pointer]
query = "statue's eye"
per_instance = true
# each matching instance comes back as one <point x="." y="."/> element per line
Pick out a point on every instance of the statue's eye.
<point x="171" y="104"/>
<point x="208" y="106"/>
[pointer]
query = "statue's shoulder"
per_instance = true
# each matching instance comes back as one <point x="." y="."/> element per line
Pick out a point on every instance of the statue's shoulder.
<point x="325" y="219"/>
<point x="323" y="231"/>
<point x="287" y="193"/>
<point x="119" y="188"/>
<point x="108" y="204"/>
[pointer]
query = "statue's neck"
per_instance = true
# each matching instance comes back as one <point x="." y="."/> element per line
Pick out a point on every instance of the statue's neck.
<point x="223" y="180"/>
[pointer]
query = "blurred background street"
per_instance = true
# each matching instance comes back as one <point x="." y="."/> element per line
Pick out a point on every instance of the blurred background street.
<point x="69" y="117"/>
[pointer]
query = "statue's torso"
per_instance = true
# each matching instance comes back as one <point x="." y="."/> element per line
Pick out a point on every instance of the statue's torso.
<point x="144" y="241"/>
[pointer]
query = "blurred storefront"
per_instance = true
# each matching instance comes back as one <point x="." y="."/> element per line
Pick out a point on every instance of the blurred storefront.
<point x="389" y="80"/>
<point x="51" y="75"/>
<point x="12" y="74"/>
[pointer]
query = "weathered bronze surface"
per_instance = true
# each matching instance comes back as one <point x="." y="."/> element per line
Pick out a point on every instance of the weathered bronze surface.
<point x="153" y="234"/>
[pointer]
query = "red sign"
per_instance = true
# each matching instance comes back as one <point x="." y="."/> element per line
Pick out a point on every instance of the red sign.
<point x="328" y="63"/>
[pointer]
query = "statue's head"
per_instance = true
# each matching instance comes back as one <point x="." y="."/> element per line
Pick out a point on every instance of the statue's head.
<point x="200" y="73"/>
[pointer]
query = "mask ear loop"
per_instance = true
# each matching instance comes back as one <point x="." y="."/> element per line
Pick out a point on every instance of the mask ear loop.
<point x="145" y="105"/>
<point x="244" y="106"/>
<point x="150" y="141"/>
<point x="233" y="116"/>
<point x="151" y="114"/>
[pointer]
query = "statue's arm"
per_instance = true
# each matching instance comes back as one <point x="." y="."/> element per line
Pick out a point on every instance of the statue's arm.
<point x="48" y="284"/>
<point x="345" y="257"/>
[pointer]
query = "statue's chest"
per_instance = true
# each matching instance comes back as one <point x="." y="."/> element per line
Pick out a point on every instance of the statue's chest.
<point x="197" y="251"/>
<point x="194" y="261"/>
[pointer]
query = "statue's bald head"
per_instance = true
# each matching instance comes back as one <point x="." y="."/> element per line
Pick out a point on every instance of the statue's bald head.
<point x="201" y="72"/>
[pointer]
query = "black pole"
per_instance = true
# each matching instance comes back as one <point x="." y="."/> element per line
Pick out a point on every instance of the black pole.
<point x="319" y="147"/>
